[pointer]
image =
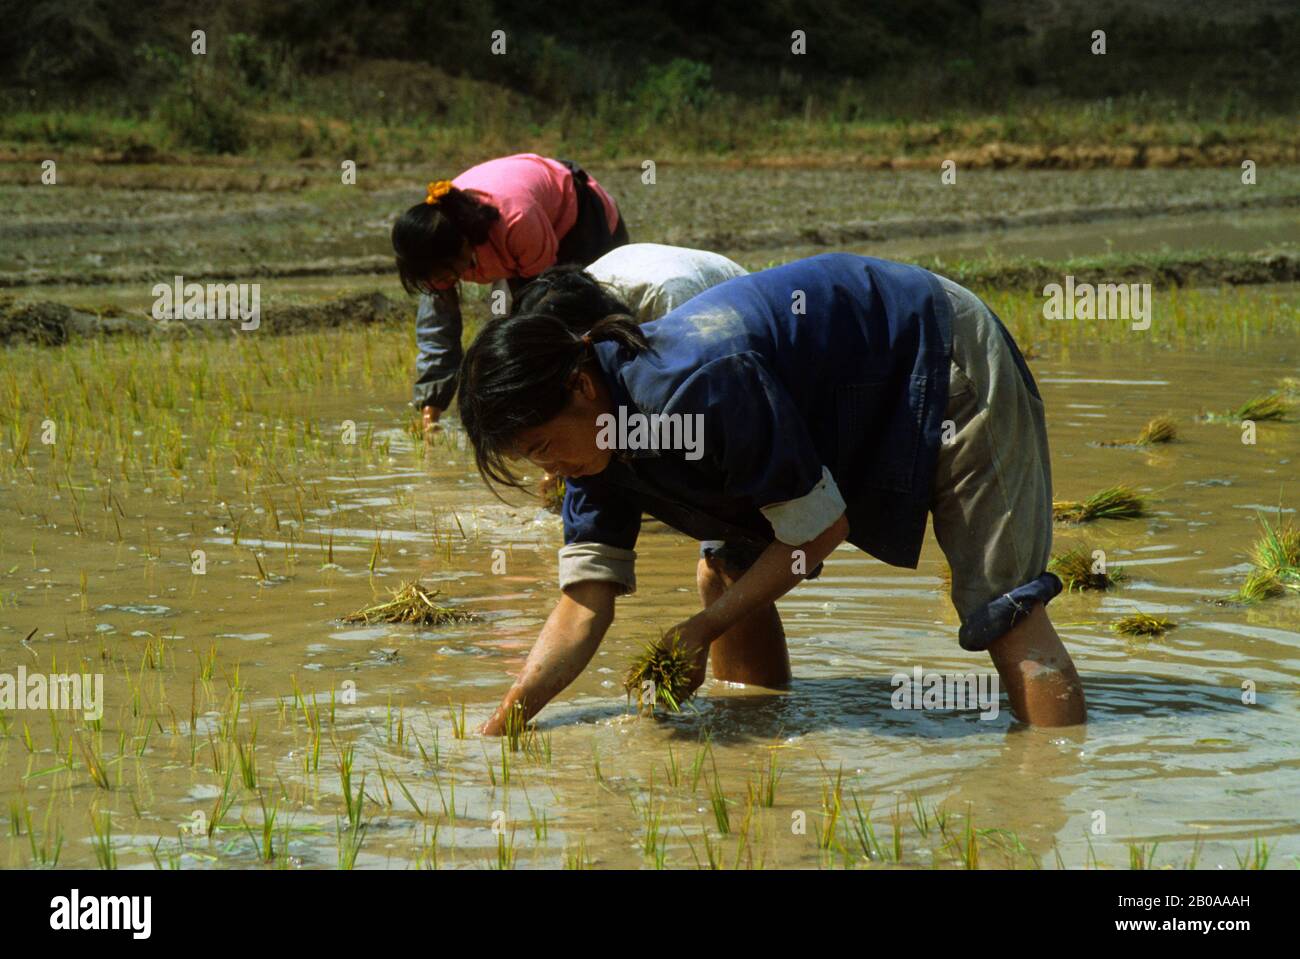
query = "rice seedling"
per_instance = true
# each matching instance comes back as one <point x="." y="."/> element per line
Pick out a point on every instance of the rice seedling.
<point x="577" y="858"/>
<point x="653" y="847"/>
<point x="764" y="794"/>
<point x="668" y="669"/>
<point x="457" y="723"/>
<point x="1078" y="570"/>
<point x="94" y="762"/>
<point x="349" y="841"/>
<point x="264" y="847"/>
<point x="1161" y="429"/>
<point x="1275" y="563"/>
<point x="505" y="851"/>
<point x="1142" y="856"/>
<point x="411" y="603"/>
<point x="1143" y="624"/>
<point x="1114" y="502"/>
<point x="1256" y="858"/>
<point x="1270" y="406"/>
<point x="718" y="803"/>
<point x="101" y="827"/>
<point x="864" y="832"/>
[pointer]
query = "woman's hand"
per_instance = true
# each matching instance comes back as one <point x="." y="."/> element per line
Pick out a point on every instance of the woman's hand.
<point x="567" y="642"/>
<point x="429" y="420"/>
<point x="695" y="636"/>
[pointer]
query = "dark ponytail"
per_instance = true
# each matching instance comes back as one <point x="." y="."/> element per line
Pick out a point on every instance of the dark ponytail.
<point x="518" y="373"/>
<point x="572" y="295"/>
<point x="430" y="235"/>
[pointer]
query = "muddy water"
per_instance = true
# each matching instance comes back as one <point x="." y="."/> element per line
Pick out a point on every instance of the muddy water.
<point x="1170" y="755"/>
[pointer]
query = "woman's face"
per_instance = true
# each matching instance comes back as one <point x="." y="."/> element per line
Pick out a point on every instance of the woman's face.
<point x="449" y="274"/>
<point x="565" y="445"/>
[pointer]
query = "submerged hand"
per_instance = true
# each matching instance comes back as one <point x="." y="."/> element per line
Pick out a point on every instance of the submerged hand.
<point x="429" y="420"/>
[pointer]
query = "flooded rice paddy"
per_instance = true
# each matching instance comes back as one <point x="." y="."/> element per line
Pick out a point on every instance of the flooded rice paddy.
<point x="192" y="518"/>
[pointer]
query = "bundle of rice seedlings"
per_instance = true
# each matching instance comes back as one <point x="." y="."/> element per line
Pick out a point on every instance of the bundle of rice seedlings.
<point x="668" y="665"/>
<point x="1270" y="406"/>
<point x="411" y="603"/>
<point x="1275" y="561"/>
<point x="1143" y="624"/>
<point x="1114" y="502"/>
<point x="1074" y="567"/>
<point x="1159" y="430"/>
<point x="1162" y="429"/>
<point x="551" y="490"/>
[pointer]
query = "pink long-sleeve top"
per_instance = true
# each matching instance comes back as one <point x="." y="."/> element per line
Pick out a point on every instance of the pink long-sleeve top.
<point x="538" y="204"/>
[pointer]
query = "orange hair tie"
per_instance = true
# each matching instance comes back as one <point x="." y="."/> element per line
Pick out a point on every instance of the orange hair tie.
<point x="437" y="190"/>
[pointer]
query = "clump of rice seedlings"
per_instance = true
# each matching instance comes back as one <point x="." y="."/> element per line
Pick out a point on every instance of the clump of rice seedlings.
<point x="411" y="603"/>
<point x="551" y="491"/>
<point x="1277" y="551"/>
<point x="1270" y="406"/>
<point x="1143" y="624"/>
<point x="1162" y="429"/>
<point x="1079" y="571"/>
<point x="1114" y="502"/>
<point x="667" y="666"/>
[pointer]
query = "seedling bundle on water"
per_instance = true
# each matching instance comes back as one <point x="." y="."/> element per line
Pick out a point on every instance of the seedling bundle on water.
<point x="1114" y="502"/>
<point x="1078" y="570"/>
<point x="1271" y="406"/>
<point x="667" y="665"/>
<point x="1162" y="429"/>
<point x="1144" y="624"/>
<point x="411" y="603"/>
<point x="1275" y="563"/>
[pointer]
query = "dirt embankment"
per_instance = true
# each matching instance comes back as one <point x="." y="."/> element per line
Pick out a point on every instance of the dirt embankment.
<point x="51" y="324"/>
<point x="46" y="323"/>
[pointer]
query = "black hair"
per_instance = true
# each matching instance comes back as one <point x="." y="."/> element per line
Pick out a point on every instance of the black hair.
<point x="570" y="294"/>
<point x="430" y="235"/>
<point x="518" y="373"/>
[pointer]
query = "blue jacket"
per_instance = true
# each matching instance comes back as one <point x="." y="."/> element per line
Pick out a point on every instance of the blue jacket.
<point x="820" y="385"/>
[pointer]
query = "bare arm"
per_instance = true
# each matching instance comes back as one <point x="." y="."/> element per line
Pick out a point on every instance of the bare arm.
<point x="770" y="578"/>
<point x="568" y="640"/>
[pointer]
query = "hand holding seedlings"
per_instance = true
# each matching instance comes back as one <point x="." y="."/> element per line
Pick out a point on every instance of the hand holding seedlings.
<point x="429" y="416"/>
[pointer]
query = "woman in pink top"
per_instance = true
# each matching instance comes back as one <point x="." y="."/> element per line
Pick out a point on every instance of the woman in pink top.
<point x="503" y="220"/>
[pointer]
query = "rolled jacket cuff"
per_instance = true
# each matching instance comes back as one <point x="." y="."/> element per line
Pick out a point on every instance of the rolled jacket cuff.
<point x="580" y="562"/>
<point x="439" y="392"/>
<point x="996" y="618"/>
<point x="796" y="521"/>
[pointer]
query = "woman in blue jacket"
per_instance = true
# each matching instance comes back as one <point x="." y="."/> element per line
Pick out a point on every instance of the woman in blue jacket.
<point x="834" y="398"/>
